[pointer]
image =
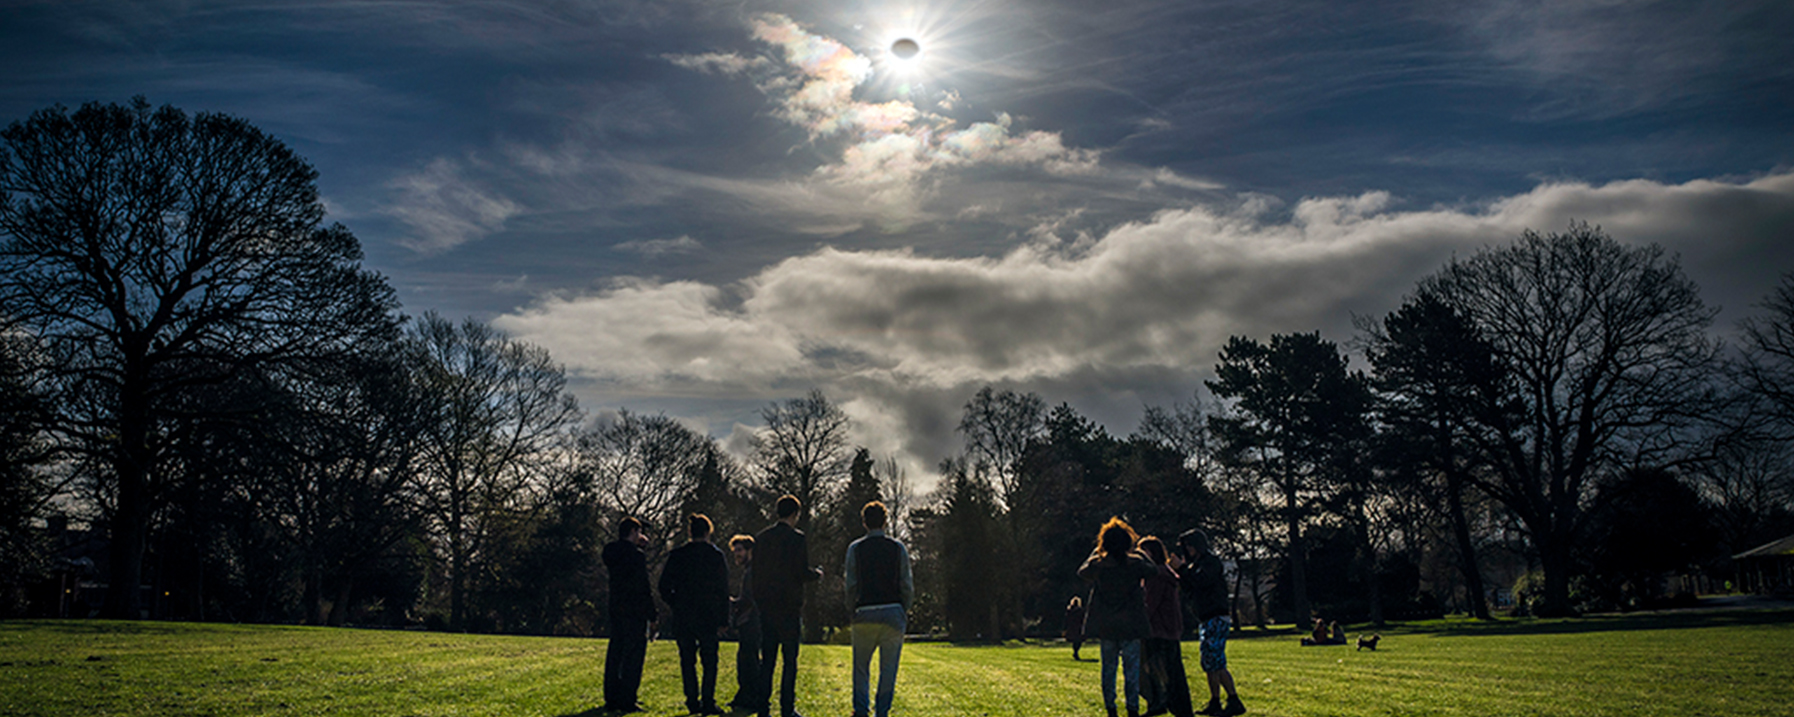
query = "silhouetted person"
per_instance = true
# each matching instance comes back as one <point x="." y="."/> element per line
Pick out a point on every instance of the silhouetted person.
<point x="1162" y="653"/>
<point x="631" y="612"/>
<point x="695" y="584"/>
<point x="1205" y="586"/>
<point x="746" y="619"/>
<point x="1074" y="625"/>
<point x="880" y="588"/>
<point x="781" y="567"/>
<point x="1116" y="615"/>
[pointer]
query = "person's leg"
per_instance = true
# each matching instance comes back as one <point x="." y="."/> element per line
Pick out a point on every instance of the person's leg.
<point x="1130" y="668"/>
<point x="769" y="661"/>
<point x="707" y="646"/>
<point x="636" y="652"/>
<point x="1152" y="675"/>
<point x="688" y="670"/>
<point x="1110" y="652"/>
<point x="747" y="669"/>
<point x="788" y="644"/>
<point x="864" y="642"/>
<point x="1177" y="683"/>
<point x="613" y="669"/>
<point x="890" y="651"/>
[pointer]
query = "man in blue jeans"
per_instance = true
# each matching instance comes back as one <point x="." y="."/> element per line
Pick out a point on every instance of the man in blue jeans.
<point x="880" y="589"/>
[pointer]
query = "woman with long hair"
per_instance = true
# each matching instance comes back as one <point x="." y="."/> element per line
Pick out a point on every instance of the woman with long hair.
<point x="1168" y="688"/>
<point x="1116" y="614"/>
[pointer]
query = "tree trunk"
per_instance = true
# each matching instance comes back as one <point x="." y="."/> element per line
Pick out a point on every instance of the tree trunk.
<point x="130" y="518"/>
<point x="1554" y="560"/>
<point x="1298" y="561"/>
<point x="339" y="610"/>
<point x="1460" y="527"/>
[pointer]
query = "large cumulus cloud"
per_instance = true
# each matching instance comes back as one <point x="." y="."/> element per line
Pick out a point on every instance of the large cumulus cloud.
<point x="1141" y="309"/>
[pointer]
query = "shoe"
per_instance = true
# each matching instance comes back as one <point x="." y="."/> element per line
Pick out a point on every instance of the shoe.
<point x="1156" y="711"/>
<point x="1233" y="707"/>
<point x="711" y="709"/>
<point x="1212" y="709"/>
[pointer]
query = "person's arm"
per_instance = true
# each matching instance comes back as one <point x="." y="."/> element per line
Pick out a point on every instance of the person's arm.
<point x="905" y="579"/>
<point x="1086" y="571"/>
<point x="808" y="573"/>
<point x="669" y="586"/>
<point x="852" y="578"/>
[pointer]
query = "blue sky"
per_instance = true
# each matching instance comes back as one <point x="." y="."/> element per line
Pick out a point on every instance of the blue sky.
<point x="701" y="207"/>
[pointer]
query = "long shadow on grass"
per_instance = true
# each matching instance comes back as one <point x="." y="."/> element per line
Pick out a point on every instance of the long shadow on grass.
<point x="116" y="627"/>
<point x="1610" y="623"/>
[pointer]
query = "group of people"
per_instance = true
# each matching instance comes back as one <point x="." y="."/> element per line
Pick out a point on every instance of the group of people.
<point x="766" y="614"/>
<point x="1135" y="612"/>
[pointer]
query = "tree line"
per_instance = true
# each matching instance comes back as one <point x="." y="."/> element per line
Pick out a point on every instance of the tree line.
<point x="198" y="368"/>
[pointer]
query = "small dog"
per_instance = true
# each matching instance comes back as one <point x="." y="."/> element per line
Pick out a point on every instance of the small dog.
<point x="1369" y="641"/>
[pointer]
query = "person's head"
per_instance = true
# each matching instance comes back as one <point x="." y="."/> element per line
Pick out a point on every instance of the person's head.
<point x="1194" y="542"/>
<point x="1154" y="549"/>
<point x="742" y="547"/>
<point x="631" y="530"/>
<point x="1116" y="538"/>
<point x="873" y="516"/>
<point x="698" y="526"/>
<point x="788" y="508"/>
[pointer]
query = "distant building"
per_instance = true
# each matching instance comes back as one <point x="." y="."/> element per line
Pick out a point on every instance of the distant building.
<point x="1767" y="568"/>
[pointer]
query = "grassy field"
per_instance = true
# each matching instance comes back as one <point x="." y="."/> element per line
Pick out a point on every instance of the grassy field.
<point x="1733" y="663"/>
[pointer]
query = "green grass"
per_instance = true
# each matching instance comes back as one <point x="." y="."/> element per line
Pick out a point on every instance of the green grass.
<point x="1739" y="663"/>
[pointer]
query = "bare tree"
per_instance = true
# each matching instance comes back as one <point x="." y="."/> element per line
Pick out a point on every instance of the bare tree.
<point x="643" y="466"/>
<point x="1767" y="368"/>
<point x="997" y="427"/>
<point x="803" y="450"/>
<point x="1184" y="428"/>
<point x="497" y="408"/>
<point x="149" y="252"/>
<point x="1606" y="364"/>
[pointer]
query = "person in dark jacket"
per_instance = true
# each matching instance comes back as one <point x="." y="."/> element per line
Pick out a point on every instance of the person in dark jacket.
<point x="695" y="584"/>
<point x="781" y="567"/>
<point x="745" y="618"/>
<point x="1167" y="687"/>
<point x="1074" y="625"/>
<point x="631" y="614"/>
<point x="1205" y="586"/>
<point x="1116" y="615"/>
<point x="880" y="590"/>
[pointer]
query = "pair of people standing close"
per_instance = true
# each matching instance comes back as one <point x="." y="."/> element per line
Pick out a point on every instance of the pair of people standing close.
<point x="695" y="583"/>
<point x="1134" y="603"/>
<point x="767" y="615"/>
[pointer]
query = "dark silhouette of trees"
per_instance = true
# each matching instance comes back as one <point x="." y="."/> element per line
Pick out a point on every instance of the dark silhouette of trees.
<point x="1644" y="523"/>
<point x="148" y="252"/>
<point x="802" y="450"/>
<point x="496" y="407"/>
<point x="1429" y="365"/>
<point x="26" y="482"/>
<point x="648" y="467"/>
<point x="998" y="427"/>
<point x="1296" y="414"/>
<point x="1605" y="363"/>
